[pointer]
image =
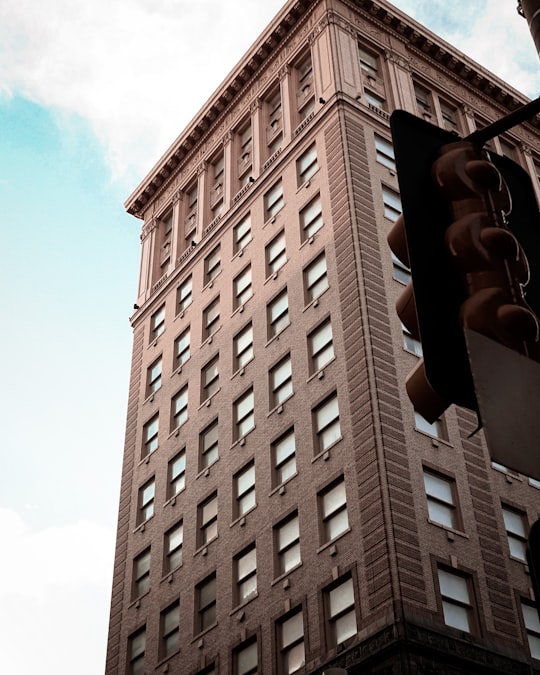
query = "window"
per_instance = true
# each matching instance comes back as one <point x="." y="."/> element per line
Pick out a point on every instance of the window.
<point x="307" y="165"/>
<point x="333" y="508"/>
<point x="211" y="318"/>
<point x="153" y="377"/>
<point x="507" y="149"/>
<point x="177" y="474"/>
<point x="242" y="234"/>
<point x="243" y="347"/>
<point x="246" y="659"/>
<point x="275" y="254"/>
<point x="316" y="278"/>
<point x="208" y="519"/>
<point x="184" y="295"/>
<point x="441" y="499"/>
<point x="435" y="429"/>
<point x="400" y="271"/>
<point x="341" y="612"/>
<point x="206" y="603"/>
<point x="311" y="218"/>
<point x="246" y="574"/>
<point x="278" y="313"/>
<point x="216" y="192"/>
<point x="244" y="416"/>
<point x="150" y="436"/>
<point x="284" y="457"/>
<point x="146" y="501"/>
<point x="368" y="63"/>
<point x="274" y="131"/>
<point x="141" y="574"/>
<point x="273" y="200"/>
<point x="192" y="199"/>
<point x="179" y="408"/>
<point x="170" y="630"/>
<point x="181" y="348"/>
<point x="280" y="377"/>
<point x="209" y="447"/>
<point x="449" y="117"/>
<point x="326" y="423"/>
<point x="287" y="536"/>
<point x="245" y="146"/>
<point x="242" y="287"/>
<point x="210" y="379"/>
<point x="410" y="343"/>
<point x="157" y="323"/>
<point x="291" y="642"/>
<point x="456" y="600"/>
<point x="304" y="95"/>
<point x="321" y="346"/>
<point x="212" y="265"/>
<point x="385" y="152"/>
<point x="174" y="540"/>
<point x="164" y="242"/>
<point x="532" y="626"/>
<point x="136" y="649"/>
<point x="515" y="523"/>
<point x="375" y="101"/>
<point x="423" y="99"/>
<point x="392" y="204"/>
<point x="244" y="490"/>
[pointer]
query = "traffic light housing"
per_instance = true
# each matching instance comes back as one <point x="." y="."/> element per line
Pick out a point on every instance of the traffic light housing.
<point x="463" y="242"/>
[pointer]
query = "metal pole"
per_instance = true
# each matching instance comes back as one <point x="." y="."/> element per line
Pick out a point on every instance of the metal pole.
<point x="530" y="9"/>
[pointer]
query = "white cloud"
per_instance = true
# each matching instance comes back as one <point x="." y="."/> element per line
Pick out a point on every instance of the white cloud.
<point x="54" y="593"/>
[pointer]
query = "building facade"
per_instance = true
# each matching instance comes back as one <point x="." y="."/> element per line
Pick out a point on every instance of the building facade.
<point x="283" y="509"/>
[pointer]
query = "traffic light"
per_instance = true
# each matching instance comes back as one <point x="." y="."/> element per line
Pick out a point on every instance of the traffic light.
<point x="468" y="268"/>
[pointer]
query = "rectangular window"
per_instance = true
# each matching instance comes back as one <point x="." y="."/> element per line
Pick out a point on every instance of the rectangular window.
<point x="507" y="149"/>
<point x="307" y="165"/>
<point x="217" y="190"/>
<point x="341" y="611"/>
<point x="244" y="490"/>
<point x="273" y="200"/>
<point x="177" y="474"/>
<point x="369" y="63"/>
<point x="423" y="99"/>
<point x="374" y="100"/>
<point x="515" y="523"/>
<point x="208" y="513"/>
<point x="245" y="150"/>
<point x="246" y="574"/>
<point x="206" y="603"/>
<point x="244" y="415"/>
<point x="146" y="501"/>
<point x="278" y="314"/>
<point x="274" y="130"/>
<point x="182" y="348"/>
<point x="153" y="376"/>
<point x="441" y="499"/>
<point x="141" y="574"/>
<point x="210" y="379"/>
<point x="321" y="346"/>
<point x="150" y="436"/>
<point x="284" y="457"/>
<point x="392" y="204"/>
<point x="280" y="377"/>
<point x="211" y="318"/>
<point x="246" y="659"/>
<point x="449" y="117"/>
<point x="157" y="323"/>
<point x="315" y="278"/>
<point x="136" y="649"/>
<point x="436" y="429"/>
<point x="209" y="445"/>
<point x="191" y="216"/>
<point x="385" y="152"/>
<point x="179" y="408"/>
<point x="304" y="95"/>
<point x="287" y="537"/>
<point x="456" y="600"/>
<point x="184" y="295"/>
<point x="532" y="626"/>
<point x="275" y="254"/>
<point x="333" y="509"/>
<point x="212" y="265"/>
<point x="311" y="218"/>
<point x="410" y="343"/>
<point x="326" y="423"/>
<point x="242" y="287"/>
<point x="170" y="630"/>
<point x="174" y="541"/>
<point x="243" y="347"/>
<point x="242" y="234"/>
<point x="291" y="643"/>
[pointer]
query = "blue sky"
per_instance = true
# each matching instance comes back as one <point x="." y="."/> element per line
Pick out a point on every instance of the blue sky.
<point x="89" y="100"/>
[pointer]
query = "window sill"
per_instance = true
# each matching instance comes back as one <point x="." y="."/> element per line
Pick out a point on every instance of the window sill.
<point x="210" y="284"/>
<point x="448" y="530"/>
<point x="167" y="658"/>
<point x="281" y="486"/>
<point x="201" y="550"/>
<point x="168" y="577"/>
<point x="315" y="302"/>
<point x="206" y="471"/>
<point x="240" y="308"/>
<point x="178" y="370"/>
<point x="307" y="183"/>
<point x="319" y="374"/>
<point x="242" y="440"/>
<point x="272" y="219"/>
<point x="241" y="606"/>
<point x="208" y="401"/>
<point x="142" y="526"/>
<point x="241" y="371"/>
<point x="172" y="499"/>
<point x="325" y="454"/>
<point x="136" y="601"/>
<point x="150" y="397"/>
<point x="283" y="576"/>
<point x="176" y="430"/>
<point x="204" y="632"/>
<point x="241" y="518"/>
<point x="276" y="336"/>
<point x="331" y="542"/>
<point x="279" y="408"/>
<point x="434" y="439"/>
<point x="182" y="312"/>
<point x="276" y="273"/>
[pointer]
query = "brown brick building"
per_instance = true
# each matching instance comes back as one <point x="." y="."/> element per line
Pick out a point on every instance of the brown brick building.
<point x="282" y="507"/>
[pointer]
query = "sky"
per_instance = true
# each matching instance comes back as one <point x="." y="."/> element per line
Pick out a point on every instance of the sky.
<point x="91" y="95"/>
